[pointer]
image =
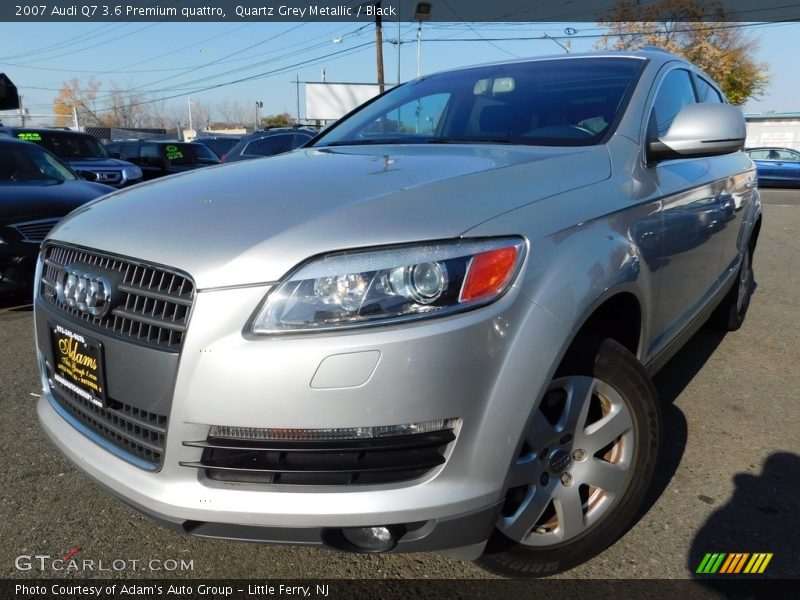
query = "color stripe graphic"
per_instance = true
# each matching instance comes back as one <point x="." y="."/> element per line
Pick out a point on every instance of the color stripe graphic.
<point x="734" y="563"/>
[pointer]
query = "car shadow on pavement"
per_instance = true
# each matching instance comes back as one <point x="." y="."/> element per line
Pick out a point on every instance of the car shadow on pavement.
<point x="16" y="303"/>
<point x="670" y="382"/>
<point x="761" y="517"/>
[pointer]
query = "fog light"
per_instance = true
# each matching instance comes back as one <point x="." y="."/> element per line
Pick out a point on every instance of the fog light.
<point x="370" y="539"/>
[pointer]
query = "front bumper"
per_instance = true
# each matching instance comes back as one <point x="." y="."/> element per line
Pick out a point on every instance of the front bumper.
<point x="17" y="267"/>
<point x="485" y="368"/>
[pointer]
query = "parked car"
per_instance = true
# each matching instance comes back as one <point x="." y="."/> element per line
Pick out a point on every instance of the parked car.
<point x="157" y="158"/>
<point x="36" y="191"/>
<point x="82" y="152"/>
<point x="268" y="143"/>
<point x="219" y="144"/>
<point x="777" y="167"/>
<point x="432" y="328"/>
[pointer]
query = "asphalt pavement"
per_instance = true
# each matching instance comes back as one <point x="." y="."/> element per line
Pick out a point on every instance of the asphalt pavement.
<point x="727" y="479"/>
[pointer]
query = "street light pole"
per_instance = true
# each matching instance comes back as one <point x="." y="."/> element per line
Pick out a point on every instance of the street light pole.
<point x="422" y="12"/>
<point x="189" y="102"/>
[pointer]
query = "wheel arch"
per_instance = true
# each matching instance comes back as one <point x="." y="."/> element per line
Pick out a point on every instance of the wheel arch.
<point x="618" y="316"/>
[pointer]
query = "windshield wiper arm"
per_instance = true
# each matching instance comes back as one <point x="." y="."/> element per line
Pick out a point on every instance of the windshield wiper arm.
<point x="476" y="140"/>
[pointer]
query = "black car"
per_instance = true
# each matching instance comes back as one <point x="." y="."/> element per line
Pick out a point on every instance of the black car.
<point x="157" y="158"/>
<point x="36" y="191"/>
<point x="82" y="152"/>
<point x="219" y="144"/>
<point x="268" y="143"/>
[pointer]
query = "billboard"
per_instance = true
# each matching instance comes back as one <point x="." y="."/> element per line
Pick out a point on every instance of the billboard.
<point x="331" y="101"/>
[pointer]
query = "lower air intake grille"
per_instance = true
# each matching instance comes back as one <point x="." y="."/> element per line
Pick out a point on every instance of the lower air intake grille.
<point x="131" y="429"/>
<point x="340" y="462"/>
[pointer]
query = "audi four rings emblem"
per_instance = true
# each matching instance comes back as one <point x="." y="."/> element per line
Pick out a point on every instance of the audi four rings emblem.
<point x="87" y="292"/>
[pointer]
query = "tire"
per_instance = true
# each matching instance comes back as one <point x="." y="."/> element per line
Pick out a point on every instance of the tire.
<point x="574" y="490"/>
<point x="730" y="313"/>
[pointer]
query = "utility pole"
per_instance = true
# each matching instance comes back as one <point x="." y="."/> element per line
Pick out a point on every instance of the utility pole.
<point x="398" y="43"/>
<point x="297" y="95"/>
<point x="189" y="100"/>
<point x="379" y="45"/>
<point x="75" y="117"/>
<point x="21" y="113"/>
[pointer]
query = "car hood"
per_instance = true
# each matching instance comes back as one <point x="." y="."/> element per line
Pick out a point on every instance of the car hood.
<point x="251" y="222"/>
<point x="21" y="201"/>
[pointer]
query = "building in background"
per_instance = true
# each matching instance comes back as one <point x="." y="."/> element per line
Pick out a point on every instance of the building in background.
<point x="781" y="130"/>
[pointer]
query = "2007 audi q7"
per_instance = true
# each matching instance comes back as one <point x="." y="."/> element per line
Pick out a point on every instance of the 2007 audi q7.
<point x="430" y="329"/>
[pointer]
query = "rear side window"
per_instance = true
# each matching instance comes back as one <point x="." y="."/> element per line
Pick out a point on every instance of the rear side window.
<point x="774" y="154"/>
<point x="149" y="151"/>
<point x="274" y="144"/>
<point x="706" y="93"/>
<point x="128" y="151"/>
<point x="299" y="139"/>
<point x="676" y="91"/>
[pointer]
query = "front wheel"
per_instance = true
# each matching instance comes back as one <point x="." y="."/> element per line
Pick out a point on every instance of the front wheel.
<point x="584" y="466"/>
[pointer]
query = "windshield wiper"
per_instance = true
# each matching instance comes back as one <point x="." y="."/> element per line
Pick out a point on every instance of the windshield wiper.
<point x="476" y="140"/>
<point x="378" y="141"/>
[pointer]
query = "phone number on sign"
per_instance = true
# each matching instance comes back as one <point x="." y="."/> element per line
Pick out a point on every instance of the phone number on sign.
<point x="90" y="11"/>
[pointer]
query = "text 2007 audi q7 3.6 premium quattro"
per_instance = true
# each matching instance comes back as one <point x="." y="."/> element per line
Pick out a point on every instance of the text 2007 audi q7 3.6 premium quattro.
<point x="431" y="328"/>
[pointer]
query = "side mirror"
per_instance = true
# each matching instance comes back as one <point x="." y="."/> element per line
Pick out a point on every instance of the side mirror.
<point x="700" y="130"/>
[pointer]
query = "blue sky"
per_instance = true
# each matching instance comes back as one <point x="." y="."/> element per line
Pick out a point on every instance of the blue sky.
<point x="178" y="60"/>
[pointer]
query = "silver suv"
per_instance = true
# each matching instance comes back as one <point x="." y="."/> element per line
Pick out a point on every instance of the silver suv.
<point x="431" y="329"/>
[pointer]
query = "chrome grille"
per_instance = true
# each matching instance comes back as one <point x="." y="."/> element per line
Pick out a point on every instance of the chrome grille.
<point x="107" y="177"/>
<point x="131" y="429"/>
<point x="151" y="304"/>
<point x="36" y="231"/>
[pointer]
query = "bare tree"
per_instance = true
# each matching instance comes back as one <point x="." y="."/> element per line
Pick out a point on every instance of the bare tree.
<point x="124" y="108"/>
<point x="201" y="117"/>
<point x="162" y="117"/>
<point x="73" y="96"/>
<point x="232" y="113"/>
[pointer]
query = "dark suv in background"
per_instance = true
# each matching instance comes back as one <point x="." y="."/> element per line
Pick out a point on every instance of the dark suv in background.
<point x="269" y="143"/>
<point x="82" y="152"/>
<point x="157" y="158"/>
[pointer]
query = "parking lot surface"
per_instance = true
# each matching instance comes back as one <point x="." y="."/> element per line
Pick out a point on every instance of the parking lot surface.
<point x="727" y="479"/>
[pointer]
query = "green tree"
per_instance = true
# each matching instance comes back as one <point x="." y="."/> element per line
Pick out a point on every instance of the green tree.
<point x="697" y="32"/>
<point x="283" y="119"/>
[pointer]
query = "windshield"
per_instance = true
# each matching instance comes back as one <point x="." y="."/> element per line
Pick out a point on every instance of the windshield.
<point x="23" y="162"/>
<point x="69" y="146"/>
<point x="559" y="102"/>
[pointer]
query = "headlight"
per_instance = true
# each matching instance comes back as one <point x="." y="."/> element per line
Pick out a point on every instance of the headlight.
<point x="132" y="172"/>
<point x="369" y="287"/>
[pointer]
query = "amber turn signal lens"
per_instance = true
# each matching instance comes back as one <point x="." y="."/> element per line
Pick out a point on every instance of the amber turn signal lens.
<point x="489" y="273"/>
